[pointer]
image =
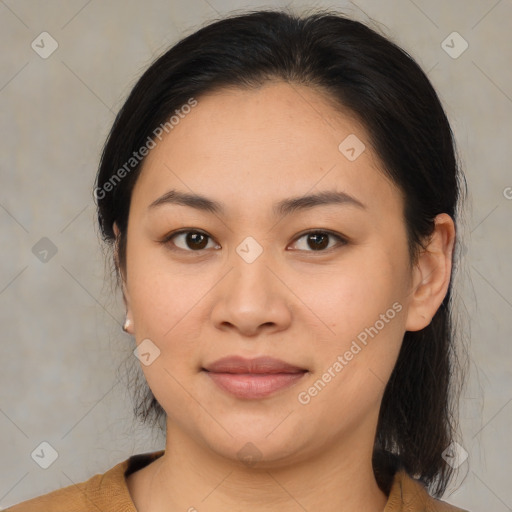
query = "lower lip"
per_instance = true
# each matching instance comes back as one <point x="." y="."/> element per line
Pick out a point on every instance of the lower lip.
<point x="253" y="385"/>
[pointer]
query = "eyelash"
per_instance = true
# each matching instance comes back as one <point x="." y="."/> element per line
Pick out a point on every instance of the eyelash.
<point x="341" y="240"/>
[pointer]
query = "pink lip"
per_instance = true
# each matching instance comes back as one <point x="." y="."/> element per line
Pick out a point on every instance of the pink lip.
<point x="253" y="378"/>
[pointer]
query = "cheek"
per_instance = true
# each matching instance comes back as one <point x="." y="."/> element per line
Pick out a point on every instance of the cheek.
<point x="159" y="294"/>
<point x="362" y="305"/>
<point x="165" y="306"/>
<point x="354" y="362"/>
<point x="351" y="296"/>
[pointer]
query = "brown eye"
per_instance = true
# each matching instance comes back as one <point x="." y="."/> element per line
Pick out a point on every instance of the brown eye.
<point x="318" y="241"/>
<point x="189" y="240"/>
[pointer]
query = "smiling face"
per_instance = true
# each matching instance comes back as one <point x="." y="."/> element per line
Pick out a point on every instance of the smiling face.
<point x="323" y="284"/>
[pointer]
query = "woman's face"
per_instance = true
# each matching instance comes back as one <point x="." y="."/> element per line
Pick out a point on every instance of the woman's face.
<point x="247" y="281"/>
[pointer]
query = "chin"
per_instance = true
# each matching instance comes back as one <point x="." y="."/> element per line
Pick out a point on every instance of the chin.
<point x="263" y="444"/>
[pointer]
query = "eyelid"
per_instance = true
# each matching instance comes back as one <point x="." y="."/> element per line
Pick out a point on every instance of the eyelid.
<point x="167" y="239"/>
<point x="342" y="240"/>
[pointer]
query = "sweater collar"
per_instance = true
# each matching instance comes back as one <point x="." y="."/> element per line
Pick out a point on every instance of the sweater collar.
<point x="405" y="494"/>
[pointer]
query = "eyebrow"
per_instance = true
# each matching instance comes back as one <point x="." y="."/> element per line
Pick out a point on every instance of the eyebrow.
<point x="282" y="208"/>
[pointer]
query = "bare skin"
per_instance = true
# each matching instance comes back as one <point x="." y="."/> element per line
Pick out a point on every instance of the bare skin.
<point x="249" y="149"/>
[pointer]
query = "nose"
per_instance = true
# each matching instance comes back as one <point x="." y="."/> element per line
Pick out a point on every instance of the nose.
<point x="252" y="298"/>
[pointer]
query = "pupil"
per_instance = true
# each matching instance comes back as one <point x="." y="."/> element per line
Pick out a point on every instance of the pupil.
<point x="192" y="239"/>
<point x="315" y="237"/>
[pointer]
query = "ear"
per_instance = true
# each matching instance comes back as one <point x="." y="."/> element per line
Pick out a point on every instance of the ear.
<point x="128" y="325"/>
<point x="431" y="275"/>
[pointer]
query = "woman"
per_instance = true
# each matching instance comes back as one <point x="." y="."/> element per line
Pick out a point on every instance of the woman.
<point x="280" y="193"/>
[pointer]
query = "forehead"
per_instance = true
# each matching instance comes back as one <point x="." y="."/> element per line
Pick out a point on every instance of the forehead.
<point x="275" y="141"/>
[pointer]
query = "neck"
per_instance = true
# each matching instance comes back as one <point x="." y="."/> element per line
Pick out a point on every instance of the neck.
<point x="190" y="477"/>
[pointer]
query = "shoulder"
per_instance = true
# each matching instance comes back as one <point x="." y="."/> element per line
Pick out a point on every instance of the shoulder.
<point x="408" y="494"/>
<point x="107" y="492"/>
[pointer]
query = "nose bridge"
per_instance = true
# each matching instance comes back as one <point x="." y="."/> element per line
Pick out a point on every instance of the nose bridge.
<point x="251" y="295"/>
<point x="251" y="261"/>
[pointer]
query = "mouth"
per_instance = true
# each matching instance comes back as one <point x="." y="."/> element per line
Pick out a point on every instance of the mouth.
<point x="253" y="378"/>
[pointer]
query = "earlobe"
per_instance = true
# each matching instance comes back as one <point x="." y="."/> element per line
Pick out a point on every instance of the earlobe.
<point x="432" y="274"/>
<point x="128" y="325"/>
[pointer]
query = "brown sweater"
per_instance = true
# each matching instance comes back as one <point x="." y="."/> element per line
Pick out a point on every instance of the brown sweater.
<point x="108" y="492"/>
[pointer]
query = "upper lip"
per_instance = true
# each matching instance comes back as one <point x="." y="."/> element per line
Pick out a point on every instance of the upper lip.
<point x="261" y="365"/>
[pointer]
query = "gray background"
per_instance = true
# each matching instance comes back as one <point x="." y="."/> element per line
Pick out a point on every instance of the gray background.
<point x="62" y="376"/>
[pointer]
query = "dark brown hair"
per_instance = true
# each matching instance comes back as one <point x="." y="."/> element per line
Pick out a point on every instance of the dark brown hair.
<point x="364" y="73"/>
